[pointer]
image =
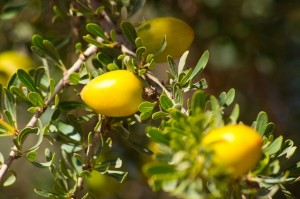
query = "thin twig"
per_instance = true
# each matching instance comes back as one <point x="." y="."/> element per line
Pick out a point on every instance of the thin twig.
<point x="89" y="155"/>
<point x="59" y="87"/>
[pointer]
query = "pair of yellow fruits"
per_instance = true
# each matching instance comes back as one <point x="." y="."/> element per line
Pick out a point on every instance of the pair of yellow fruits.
<point x="119" y="93"/>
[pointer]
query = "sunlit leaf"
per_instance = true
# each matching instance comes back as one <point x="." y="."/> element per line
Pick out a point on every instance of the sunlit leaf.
<point x="182" y="61"/>
<point x="25" y="78"/>
<point x="146" y="106"/>
<point x="200" y="65"/>
<point x="96" y="30"/>
<point x="157" y="136"/>
<point x="165" y="102"/>
<point x="275" y="146"/>
<point x="261" y="122"/>
<point x="159" y="114"/>
<point x="172" y="66"/>
<point x="11" y="179"/>
<point x="35" y="99"/>
<point x="74" y="78"/>
<point x="118" y="175"/>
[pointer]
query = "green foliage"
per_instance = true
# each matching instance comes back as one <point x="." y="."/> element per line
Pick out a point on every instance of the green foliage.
<point x="175" y="123"/>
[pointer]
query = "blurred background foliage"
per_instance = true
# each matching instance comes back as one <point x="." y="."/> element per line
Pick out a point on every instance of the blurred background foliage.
<point x="254" y="47"/>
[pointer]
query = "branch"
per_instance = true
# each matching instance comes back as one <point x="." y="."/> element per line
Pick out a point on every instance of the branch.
<point x="59" y="87"/>
<point x="88" y="156"/>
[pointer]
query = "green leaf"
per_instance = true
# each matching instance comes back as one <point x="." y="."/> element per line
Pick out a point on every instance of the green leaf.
<point x="172" y="66"/>
<point x="99" y="10"/>
<point x="199" y="100"/>
<point x="138" y="42"/>
<point x="74" y="78"/>
<point x="31" y="155"/>
<point x="37" y="41"/>
<point x="25" y="78"/>
<point x="145" y="115"/>
<point x="129" y="32"/>
<point x="51" y="50"/>
<point x="40" y="78"/>
<point x="230" y="97"/>
<point x="45" y="164"/>
<point x="78" y="157"/>
<point x="162" y="46"/>
<point x="157" y="168"/>
<point x="269" y="128"/>
<point x="113" y="35"/>
<point x="96" y="30"/>
<point x="261" y="123"/>
<point x="113" y="66"/>
<point x="25" y="132"/>
<point x="157" y="135"/>
<point x="200" y="65"/>
<point x="140" y="52"/>
<point x="137" y="5"/>
<point x="10" y="105"/>
<point x="91" y="40"/>
<point x="235" y="114"/>
<point x="11" y="179"/>
<point x="44" y="193"/>
<point x="118" y="175"/>
<point x="138" y="147"/>
<point x="129" y="63"/>
<point x="104" y="59"/>
<point x="9" y="117"/>
<point x="146" y="106"/>
<point x="16" y="91"/>
<point x="45" y="49"/>
<point x="159" y="114"/>
<point x="68" y="132"/>
<point x="70" y="105"/>
<point x="151" y="64"/>
<point x="275" y="146"/>
<point x="184" y="77"/>
<point x="178" y="93"/>
<point x="52" y="86"/>
<point x="288" y="149"/>
<point x="142" y="72"/>
<point x="182" y="61"/>
<point x="165" y="102"/>
<point x="35" y="99"/>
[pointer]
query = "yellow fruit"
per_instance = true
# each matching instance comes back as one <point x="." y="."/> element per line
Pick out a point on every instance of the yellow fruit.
<point x="101" y="185"/>
<point x="179" y="37"/>
<point x="237" y="147"/>
<point x="10" y="62"/>
<point x="115" y="94"/>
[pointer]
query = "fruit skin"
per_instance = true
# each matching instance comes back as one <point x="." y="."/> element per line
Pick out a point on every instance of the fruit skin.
<point x="237" y="147"/>
<point x="101" y="185"/>
<point x="115" y="94"/>
<point x="179" y="37"/>
<point x="10" y="62"/>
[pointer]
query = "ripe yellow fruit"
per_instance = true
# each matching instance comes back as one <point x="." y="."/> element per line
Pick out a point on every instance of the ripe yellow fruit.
<point x="179" y="37"/>
<point x="237" y="147"/>
<point x="10" y="62"/>
<point x="115" y="94"/>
